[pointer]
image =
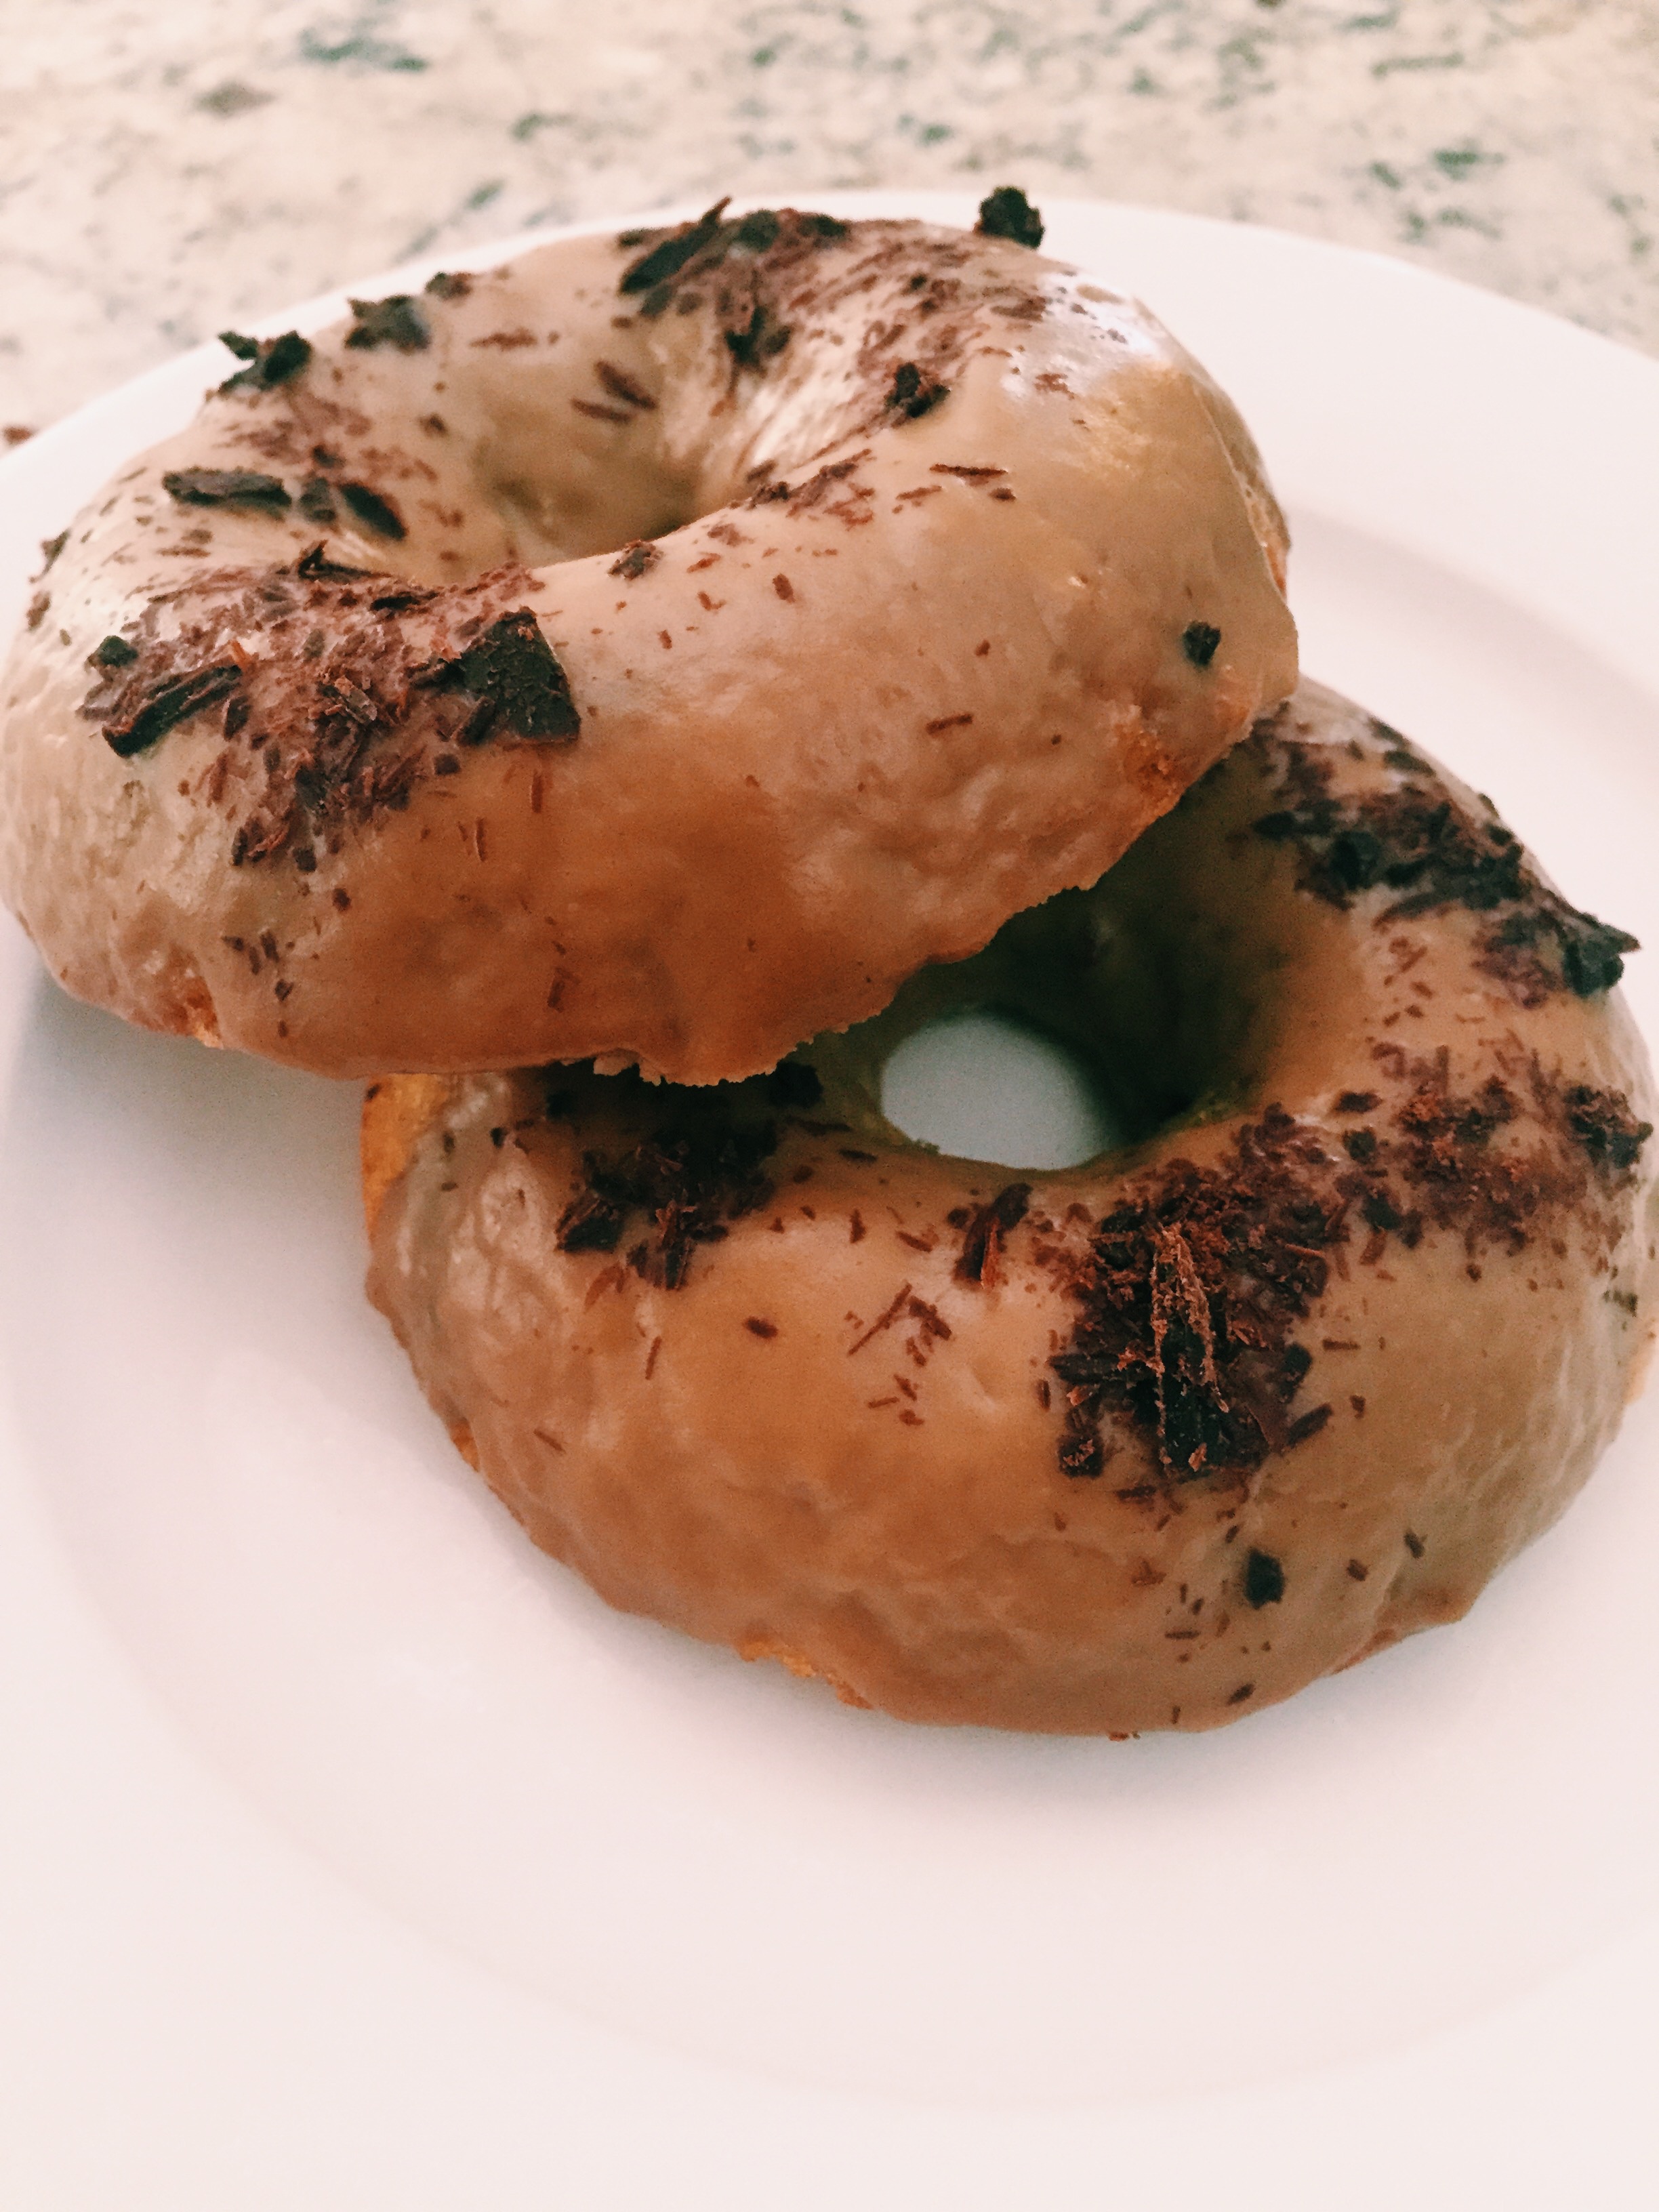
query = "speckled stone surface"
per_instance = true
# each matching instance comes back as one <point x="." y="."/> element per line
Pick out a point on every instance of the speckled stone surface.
<point x="168" y="169"/>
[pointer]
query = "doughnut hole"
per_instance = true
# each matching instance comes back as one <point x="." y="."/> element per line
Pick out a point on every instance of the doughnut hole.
<point x="1087" y="1025"/>
<point x="981" y="1086"/>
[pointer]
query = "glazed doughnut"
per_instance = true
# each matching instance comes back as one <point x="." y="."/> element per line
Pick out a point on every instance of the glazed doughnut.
<point x="1147" y="1442"/>
<point x="653" y="650"/>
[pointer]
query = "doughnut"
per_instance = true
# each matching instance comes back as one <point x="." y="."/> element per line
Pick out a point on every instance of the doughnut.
<point x="1147" y="1442"/>
<point x="652" y="651"/>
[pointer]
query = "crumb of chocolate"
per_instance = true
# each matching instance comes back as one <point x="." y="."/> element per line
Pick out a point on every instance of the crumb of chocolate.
<point x="1357" y="1570"/>
<point x="1603" y="1124"/>
<point x="1245" y="1690"/>
<point x="112" y="652"/>
<point x="783" y="588"/>
<point x="759" y="1328"/>
<point x="1199" y="642"/>
<point x="448" y="284"/>
<point x="915" y="391"/>
<point x="268" y="362"/>
<point x="227" y="487"/>
<point x="396" y="321"/>
<point x="1006" y="213"/>
<point x="636" y="559"/>
<point x="1415" y="1545"/>
<point x="1357" y="1102"/>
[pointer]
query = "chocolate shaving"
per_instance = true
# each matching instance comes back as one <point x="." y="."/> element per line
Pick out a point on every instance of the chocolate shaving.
<point x="620" y="386"/>
<point x="374" y="510"/>
<point x="1199" y="642"/>
<point x="982" y="1247"/>
<point x="167" y="705"/>
<point x="227" y="487"/>
<point x="449" y="285"/>
<point x="666" y="259"/>
<point x="112" y="652"/>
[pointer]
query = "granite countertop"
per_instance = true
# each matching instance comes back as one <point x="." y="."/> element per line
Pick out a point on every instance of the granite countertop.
<point x="165" y="171"/>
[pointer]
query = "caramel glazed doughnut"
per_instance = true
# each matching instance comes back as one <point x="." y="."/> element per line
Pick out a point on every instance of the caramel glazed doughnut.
<point x="386" y="757"/>
<point x="1148" y="1443"/>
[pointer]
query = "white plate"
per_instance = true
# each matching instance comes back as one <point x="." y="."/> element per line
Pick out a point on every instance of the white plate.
<point x="352" y="1854"/>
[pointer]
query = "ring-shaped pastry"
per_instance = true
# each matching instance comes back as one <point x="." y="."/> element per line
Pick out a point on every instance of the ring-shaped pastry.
<point x="1147" y="1442"/>
<point x="654" y="650"/>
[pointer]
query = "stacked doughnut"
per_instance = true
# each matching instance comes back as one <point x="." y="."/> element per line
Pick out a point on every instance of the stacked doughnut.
<point x="671" y="670"/>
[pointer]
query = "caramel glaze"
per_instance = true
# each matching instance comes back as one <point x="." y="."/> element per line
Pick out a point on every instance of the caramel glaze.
<point x="593" y="661"/>
<point x="1148" y="1443"/>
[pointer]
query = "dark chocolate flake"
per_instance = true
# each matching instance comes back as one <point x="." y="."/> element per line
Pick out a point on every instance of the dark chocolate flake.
<point x="449" y="284"/>
<point x="374" y="510"/>
<point x="270" y="360"/>
<point x="396" y="321"/>
<point x="1006" y="213"/>
<point x="1264" y="1580"/>
<point x="514" y="669"/>
<point x="666" y="259"/>
<point x="227" y="487"/>
<point x="112" y="652"/>
<point x="1199" y="642"/>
